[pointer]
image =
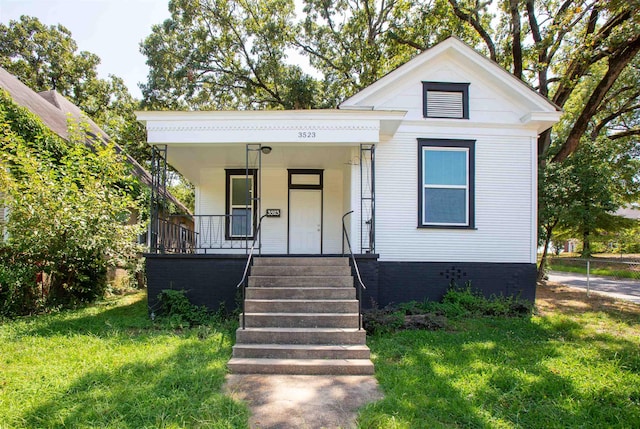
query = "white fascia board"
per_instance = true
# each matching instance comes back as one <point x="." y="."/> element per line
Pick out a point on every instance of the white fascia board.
<point x="541" y="120"/>
<point x="475" y="59"/>
<point x="271" y="115"/>
<point x="319" y="126"/>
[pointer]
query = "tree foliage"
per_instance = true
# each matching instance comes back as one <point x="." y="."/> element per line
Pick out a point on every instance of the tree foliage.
<point x="47" y="58"/>
<point x="225" y="54"/>
<point x="234" y="54"/>
<point x="68" y="204"/>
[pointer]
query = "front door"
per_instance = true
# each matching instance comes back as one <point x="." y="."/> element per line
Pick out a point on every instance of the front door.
<point x="305" y="221"/>
<point x="305" y="211"/>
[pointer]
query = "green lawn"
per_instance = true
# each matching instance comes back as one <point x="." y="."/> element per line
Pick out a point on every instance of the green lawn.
<point x="599" y="267"/>
<point x="572" y="370"/>
<point x="109" y="366"/>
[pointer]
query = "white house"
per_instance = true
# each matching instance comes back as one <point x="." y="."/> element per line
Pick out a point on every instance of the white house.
<point x="433" y="169"/>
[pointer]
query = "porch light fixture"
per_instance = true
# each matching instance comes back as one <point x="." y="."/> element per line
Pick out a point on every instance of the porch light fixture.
<point x="266" y="150"/>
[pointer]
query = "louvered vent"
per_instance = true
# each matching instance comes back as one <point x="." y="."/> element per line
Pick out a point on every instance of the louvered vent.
<point x="445" y="104"/>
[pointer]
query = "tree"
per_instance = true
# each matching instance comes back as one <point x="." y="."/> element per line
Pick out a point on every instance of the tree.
<point x="68" y="207"/>
<point x="598" y="191"/>
<point x="225" y="54"/>
<point x="47" y="58"/>
<point x="553" y="199"/>
<point x="232" y="54"/>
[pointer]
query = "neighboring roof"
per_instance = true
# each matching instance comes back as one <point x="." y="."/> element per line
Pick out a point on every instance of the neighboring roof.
<point x="541" y="108"/>
<point x="53" y="109"/>
<point x="630" y="212"/>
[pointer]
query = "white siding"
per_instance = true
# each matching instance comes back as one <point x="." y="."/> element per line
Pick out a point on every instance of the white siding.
<point x="487" y="101"/>
<point x="504" y="192"/>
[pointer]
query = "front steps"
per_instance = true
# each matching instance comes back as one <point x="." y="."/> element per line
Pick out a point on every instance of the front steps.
<point x="301" y="318"/>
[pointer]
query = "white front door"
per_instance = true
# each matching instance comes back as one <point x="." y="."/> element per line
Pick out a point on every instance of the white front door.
<point x="305" y="221"/>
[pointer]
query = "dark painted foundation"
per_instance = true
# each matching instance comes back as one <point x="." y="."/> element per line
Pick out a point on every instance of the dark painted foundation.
<point x="211" y="280"/>
<point x="208" y="280"/>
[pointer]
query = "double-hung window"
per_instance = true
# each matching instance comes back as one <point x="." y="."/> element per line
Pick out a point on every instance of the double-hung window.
<point x="446" y="183"/>
<point x="240" y="201"/>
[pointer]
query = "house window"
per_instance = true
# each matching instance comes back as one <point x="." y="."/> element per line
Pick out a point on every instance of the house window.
<point x="445" y="100"/>
<point x="241" y="195"/>
<point x="446" y="183"/>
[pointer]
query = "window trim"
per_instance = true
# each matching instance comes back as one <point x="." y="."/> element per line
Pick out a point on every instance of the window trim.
<point x="227" y="228"/>
<point x="469" y="145"/>
<point x="446" y="87"/>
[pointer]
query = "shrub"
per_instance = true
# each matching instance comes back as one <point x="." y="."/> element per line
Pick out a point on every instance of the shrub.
<point x="69" y="203"/>
<point x="458" y="302"/>
<point x="178" y="312"/>
<point x="18" y="286"/>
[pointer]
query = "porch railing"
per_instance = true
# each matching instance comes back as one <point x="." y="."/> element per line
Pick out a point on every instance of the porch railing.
<point x="360" y="287"/>
<point x="205" y="233"/>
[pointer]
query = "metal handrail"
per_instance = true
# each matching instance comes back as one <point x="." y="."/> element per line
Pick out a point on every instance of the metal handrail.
<point x="243" y="281"/>
<point x="345" y="234"/>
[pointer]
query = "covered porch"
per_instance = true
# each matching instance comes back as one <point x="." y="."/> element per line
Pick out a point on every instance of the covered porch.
<point x="287" y="183"/>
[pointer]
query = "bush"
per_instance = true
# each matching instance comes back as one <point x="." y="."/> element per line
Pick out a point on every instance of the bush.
<point x="178" y="312"/>
<point x="458" y="302"/>
<point x="18" y="287"/>
<point x="465" y="301"/>
<point x="69" y="203"/>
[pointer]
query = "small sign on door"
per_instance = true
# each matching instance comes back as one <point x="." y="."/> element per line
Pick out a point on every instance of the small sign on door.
<point x="273" y="213"/>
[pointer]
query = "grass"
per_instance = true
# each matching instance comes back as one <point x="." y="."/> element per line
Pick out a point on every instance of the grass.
<point x="557" y="264"/>
<point x="602" y="264"/>
<point x="109" y="366"/>
<point x="561" y="369"/>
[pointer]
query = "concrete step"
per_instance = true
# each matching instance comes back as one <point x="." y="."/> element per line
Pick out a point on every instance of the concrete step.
<point x="301" y="270"/>
<point x="301" y="281"/>
<point x="301" y="366"/>
<point x="301" y="306"/>
<point x="323" y="336"/>
<point x="300" y="293"/>
<point x="301" y="351"/>
<point x="301" y="320"/>
<point x="265" y="260"/>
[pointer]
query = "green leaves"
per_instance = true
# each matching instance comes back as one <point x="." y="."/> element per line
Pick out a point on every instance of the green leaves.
<point x="47" y="58"/>
<point x="67" y="207"/>
<point x="225" y="54"/>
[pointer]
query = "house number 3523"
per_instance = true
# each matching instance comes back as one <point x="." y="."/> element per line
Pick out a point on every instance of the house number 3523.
<point x="306" y="134"/>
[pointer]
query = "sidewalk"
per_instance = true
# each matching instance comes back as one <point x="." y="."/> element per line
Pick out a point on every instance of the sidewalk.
<point x="303" y="401"/>
<point x="627" y="289"/>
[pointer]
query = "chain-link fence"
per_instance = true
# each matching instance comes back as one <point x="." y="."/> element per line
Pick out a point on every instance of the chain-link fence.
<point x="618" y="276"/>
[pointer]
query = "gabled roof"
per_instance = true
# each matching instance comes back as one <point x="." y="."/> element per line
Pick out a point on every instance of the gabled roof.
<point x="53" y="109"/>
<point x="541" y="109"/>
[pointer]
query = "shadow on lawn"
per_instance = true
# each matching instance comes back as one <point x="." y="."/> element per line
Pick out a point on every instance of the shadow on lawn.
<point x="499" y="372"/>
<point x="181" y="390"/>
<point x="557" y="298"/>
<point x="93" y="320"/>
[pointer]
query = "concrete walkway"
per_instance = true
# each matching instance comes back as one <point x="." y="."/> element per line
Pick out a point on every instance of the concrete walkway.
<point x="627" y="289"/>
<point x="302" y="401"/>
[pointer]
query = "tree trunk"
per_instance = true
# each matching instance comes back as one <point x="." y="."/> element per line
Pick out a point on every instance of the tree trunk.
<point x="543" y="261"/>
<point x="616" y="63"/>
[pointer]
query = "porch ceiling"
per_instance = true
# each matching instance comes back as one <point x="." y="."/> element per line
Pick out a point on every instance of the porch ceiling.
<point x="190" y="159"/>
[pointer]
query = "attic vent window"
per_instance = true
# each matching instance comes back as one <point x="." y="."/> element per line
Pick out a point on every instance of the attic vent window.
<point x="445" y="100"/>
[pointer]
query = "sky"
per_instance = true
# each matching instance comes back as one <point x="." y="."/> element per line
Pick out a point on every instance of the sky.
<point x="111" y="29"/>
